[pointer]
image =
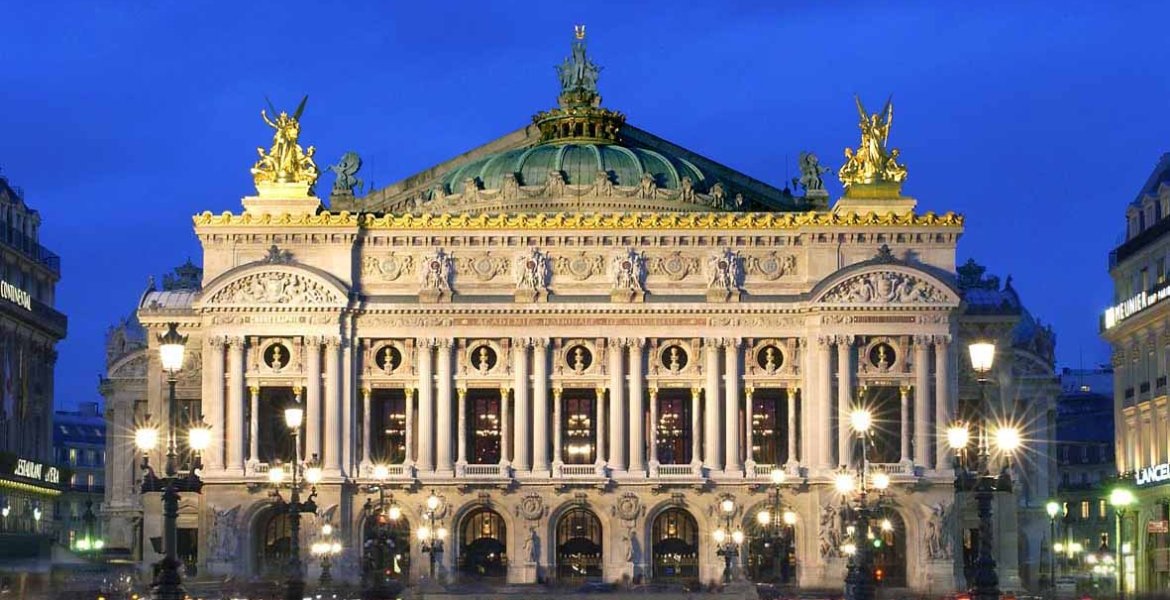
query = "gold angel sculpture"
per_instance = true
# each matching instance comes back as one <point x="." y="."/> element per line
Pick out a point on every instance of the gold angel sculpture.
<point x="872" y="163"/>
<point x="285" y="162"/>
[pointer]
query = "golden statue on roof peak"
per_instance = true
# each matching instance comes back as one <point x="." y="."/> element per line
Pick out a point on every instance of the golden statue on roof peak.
<point x="579" y="30"/>
<point x="872" y="163"/>
<point x="285" y="162"/>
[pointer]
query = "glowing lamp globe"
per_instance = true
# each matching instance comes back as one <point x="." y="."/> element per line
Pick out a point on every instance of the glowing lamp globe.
<point x="982" y="356"/>
<point x="1121" y="498"/>
<point x="433" y="503"/>
<point x="146" y="438"/>
<point x="1007" y="439"/>
<point x="958" y="436"/>
<point x="171" y="348"/>
<point x="1052" y="508"/>
<point x="327" y="529"/>
<point x="778" y="476"/>
<point x="441" y="533"/>
<point x="728" y="505"/>
<point x="313" y="475"/>
<point x="394" y="513"/>
<point x="844" y="483"/>
<point x="764" y="517"/>
<point x="881" y="481"/>
<point x="424" y="533"/>
<point x="737" y="536"/>
<point x="720" y="536"/>
<point x="294" y="416"/>
<point x="381" y="472"/>
<point x="275" y="475"/>
<point x="860" y="420"/>
<point x="789" y="518"/>
<point x="199" y="437"/>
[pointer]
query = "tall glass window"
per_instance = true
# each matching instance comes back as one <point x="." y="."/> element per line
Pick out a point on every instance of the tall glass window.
<point x="484" y="424"/>
<point x="674" y="427"/>
<point x="579" y="429"/>
<point x="388" y="426"/>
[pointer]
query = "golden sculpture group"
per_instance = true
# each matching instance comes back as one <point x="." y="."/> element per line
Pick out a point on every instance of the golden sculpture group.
<point x="872" y="164"/>
<point x="285" y="162"/>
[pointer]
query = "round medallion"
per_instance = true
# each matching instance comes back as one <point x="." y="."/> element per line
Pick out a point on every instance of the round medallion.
<point x="581" y="267"/>
<point x="483" y="358"/>
<point x="675" y="266"/>
<point x="674" y="357"/>
<point x="882" y="355"/>
<point x="579" y="357"/>
<point x="770" y="358"/>
<point x="391" y="268"/>
<point x="769" y="266"/>
<point x="388" y="359"/>
<point x="276" y="356"/>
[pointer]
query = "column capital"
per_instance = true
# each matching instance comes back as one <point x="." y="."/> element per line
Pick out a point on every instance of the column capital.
<point x="732" y="342"/>
<point x="461" y="391"/>
<point x="297" y="389"/>
<point x="824" y="341"/>
<point x="793" y="390"/>
<point x="905" y="389"/>
<point x="540" y="343"/>
<point x="923" y="342"/>
<point x="653" y="391"/>
<point x="943" y="340"/>
<point x="696" y="392"/>
<point x="557" y="393"/>
<point x="408" y="391"/>
<point x="636" y="342"/>
<point x="217" y="342"/>
<point x="748" y="391"/>
<point x="445" y="343"/>
<point x="332" y="341"/>
<point x="521" y="342"/>
<point x="600" y="391"/>
<point x="366" y="391"/>
<point x="616" y="342"/>
<point x="424" y="342"/>
<point x="713" y="342"/>
<point x="844" y="340"/>
<point x="254" y="389"/>
<point x="235" y="341"/>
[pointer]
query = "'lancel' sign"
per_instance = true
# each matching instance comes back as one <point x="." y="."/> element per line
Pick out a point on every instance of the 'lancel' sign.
<point x="1154" y="474"/>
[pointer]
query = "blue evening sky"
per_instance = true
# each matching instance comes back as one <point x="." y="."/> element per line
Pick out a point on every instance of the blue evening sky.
<point x="1038" y="120"/>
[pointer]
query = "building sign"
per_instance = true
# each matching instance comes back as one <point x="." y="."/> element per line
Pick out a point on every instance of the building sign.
<point x="1136" y="304"/>
<point x="1153" y="475"/>
<point x="35" y="470"/>
<point x="15" y="295"/>
<point x="1162" y="526"/>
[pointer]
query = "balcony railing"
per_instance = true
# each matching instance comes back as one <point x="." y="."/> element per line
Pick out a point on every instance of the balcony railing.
<point x="22" y="243"/>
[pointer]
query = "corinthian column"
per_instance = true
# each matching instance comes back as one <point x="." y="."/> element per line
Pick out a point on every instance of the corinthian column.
<point x="557" y="416"/>
<point x="653" y="428"/>
<point x="791" y="433"/>
<point x="408" y="397"/>
<point x="749" y="451"/>
<point x="235" y="405"/>
<point x="731" y="403"/>
<point x="905" y="395"/>
<point x="367" y="426"/>
<point x="637" y="409"/>
<point x="214" y="406"/>
<point x="461" y="423"/>
<point x="922" y="400"/>
<point x="443" y="463"/>
<point x="711" y="406"/>
<point x="943" y="414"/>
<point x="844" y="399"/>
<point x="254" y="429"/>
<point x="333" y="390"/>
<point x="599" y="427"/>
<point x="824" y="405"/>
<point x="696" y="427"/>
<point x="426" y="404"/>
<point x="505" y="428"/>
<point x="521" y="460"/>
<point x="540" y="405"/>
<point x="617" y="388"/>
<point x="312" y="346"/>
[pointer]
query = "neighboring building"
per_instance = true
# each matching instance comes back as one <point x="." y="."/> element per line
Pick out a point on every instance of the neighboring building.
<point x="583" y="338"/>
<point x="79" y="440"/>
<point x="1085" y="454"/>
<point x="1138" y="328"/>
<point x="29" y="331"/>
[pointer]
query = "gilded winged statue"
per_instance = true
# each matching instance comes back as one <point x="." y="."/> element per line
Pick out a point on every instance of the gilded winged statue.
<point x="872" y="163"/>
<point x="285" y="162"/>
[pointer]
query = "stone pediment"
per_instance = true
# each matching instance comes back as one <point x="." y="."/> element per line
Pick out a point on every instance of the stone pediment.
<point x="887" y="286"/>
<point x="274" y="286"/>
<point x="129" y="366"/>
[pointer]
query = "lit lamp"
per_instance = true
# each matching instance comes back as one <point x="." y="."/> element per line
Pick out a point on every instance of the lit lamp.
<point x="1053" y="509"/>
<point x="325" y="550"/>
<point x="859" y="573"/>
<point x="432" y="534"/>
<point x="167" y="584"/>
<point x="727" y="544"/>
<point x="375" y="583"/>
<point x="1121" y="499"/>
<point x="308" y="472"/>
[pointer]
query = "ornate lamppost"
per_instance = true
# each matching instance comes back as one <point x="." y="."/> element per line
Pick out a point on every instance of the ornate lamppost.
<point x="727" y="540"/>
<point x="1121" y="499"/>
<point x="325" y="549"/>
<point x="294" y="587"/>
<point x="1053" y="509"/>
<point x="433" y="533"/>
<point x="978" y="477"/>
<point x="778" y="525"/>
<point x="89" y="541"/>
<point x="167" y="584"/>
<point x="378" y="549"/>
<point x="859" y="576"/>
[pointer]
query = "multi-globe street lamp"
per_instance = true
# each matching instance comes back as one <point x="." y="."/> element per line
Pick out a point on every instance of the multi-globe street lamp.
<point x="89" y="541"/>
<point x="433" y="533"/>
<point x="310" y="473"/>
<point x="167" y="584"/>
<point x="1121" y="499"/>
<point x="977" y="477"/>
<point x="325" y="549"/>
<point x="778" y="525"/>
<point x="727" y="539"/>
<point x="378" y="548"/>
<point x="859" y="576"/>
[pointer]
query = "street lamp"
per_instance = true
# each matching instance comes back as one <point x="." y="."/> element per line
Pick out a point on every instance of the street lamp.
<point x="1121" y="499"/>
<point x="978" y="477"/>
<point x="432" y="534"/>
<point x="1053" y="509"/>
<point x="378" y="550"/>
<point x="89" y="541"/>
<point x="859" y="576"/>
<point x="310" y="472"/>
<point x="167" y="584"/>
<point x="727" y="540"/>
<point x="326" y="549"/>
<point x="778" y="524"/>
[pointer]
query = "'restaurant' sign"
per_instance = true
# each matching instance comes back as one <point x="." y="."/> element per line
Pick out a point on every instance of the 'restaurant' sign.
<point x="29" y="469"/>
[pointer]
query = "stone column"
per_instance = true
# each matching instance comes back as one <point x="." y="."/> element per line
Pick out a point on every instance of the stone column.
<point x="791" y="434"/>
<point x="254" y="426"/>
<point x="921" y="400"/>
<point x="711" y="436"/>
<point x="443" y="463"/>
<point x="332" y="458"/>
<point x="505" y="416"/>
<point x="461" y="424"/>
<point x="522" y="429"/>
<point x="637" y="409"/>
<point x="617" y="414"/>
<point x="696" y="457"/>
<point x="599" y="432"/>
<point x="213" y="408"/>
<point x="906" y="431"/>
<point x="347" y="418"/>
<point x="944" y="414"/>
<point x="540" y="405"/>
<point x="824" y="428"/>
<point x="653" y="460"/>
<point x="235" y="405"/>
<point x="557" y="416"/>
<point x="408" y="398"/>
<point x="749" y="451"/>
<point x="731" y="404"/>
<point x="423" y="349"/>
<point x="367" y="426"/>
<point x="844" y="399"/>
<point x="312" y="350"/>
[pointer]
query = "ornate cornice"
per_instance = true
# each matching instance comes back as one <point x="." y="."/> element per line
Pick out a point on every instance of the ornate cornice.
<point x="577" y="221"/>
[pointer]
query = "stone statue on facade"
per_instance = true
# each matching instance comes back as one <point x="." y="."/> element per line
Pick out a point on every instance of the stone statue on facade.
<point x="436" y="272"/>
<point x="285" y="162"/>
<point x="224" y="534"/>
<point x="531" y="271"/>
<point x="831" y="536"/>
<point x="723" y="270"/>
<point x="346" y="172"/>
<point x="628" y="269"/>
<point x="938" y="532"/>
<point x="531" y="541"/>
<point x="810" y="173"/>
<point x="578" y="72"/>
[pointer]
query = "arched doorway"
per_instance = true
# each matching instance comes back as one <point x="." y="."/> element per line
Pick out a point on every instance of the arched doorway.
<point x="273" y="544"/>
<point x="578" y="545"/>
<point x="889" y="553"/>
<point x="483" y="550"/>
<point x="386" y="548"/>
<point x="674" y="545"/>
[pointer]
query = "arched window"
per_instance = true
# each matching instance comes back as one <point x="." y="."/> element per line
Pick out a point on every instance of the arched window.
<point x="578" y="545"/>
<point x="483" y="550"/>
<point x="275" y="544"/>
<point x="674" y="545"/>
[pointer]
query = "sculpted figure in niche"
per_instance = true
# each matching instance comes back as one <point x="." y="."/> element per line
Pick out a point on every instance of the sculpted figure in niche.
<point x="647" y="188"/>
<point x="532" y="271"/>
<point x="686" y="191"/>
<point x="830" y="532"/>
<point x="627" y="271"/>
<point x="437" y="272"/>
<point x="723" y="270"/>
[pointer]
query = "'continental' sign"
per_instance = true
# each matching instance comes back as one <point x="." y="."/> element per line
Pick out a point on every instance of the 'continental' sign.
<point x="15" y="295"/>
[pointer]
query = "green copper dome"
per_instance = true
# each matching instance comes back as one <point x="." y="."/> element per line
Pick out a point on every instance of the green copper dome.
<point x="578" y="163"/>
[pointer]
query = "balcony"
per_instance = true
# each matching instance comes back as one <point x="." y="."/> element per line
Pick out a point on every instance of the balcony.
<point x="29" y="248"/>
